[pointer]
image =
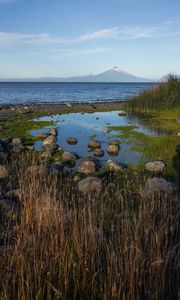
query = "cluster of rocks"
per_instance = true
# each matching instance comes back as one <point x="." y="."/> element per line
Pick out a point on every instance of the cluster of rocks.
<point x="86" y="167"/>
<point x="95" y="146"/>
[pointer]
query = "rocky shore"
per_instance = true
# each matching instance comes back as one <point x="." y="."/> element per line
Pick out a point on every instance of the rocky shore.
<point x="58" y="108"/>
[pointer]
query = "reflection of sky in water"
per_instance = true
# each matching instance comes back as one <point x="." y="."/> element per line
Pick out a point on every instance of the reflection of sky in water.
<point x="84" y="126"/>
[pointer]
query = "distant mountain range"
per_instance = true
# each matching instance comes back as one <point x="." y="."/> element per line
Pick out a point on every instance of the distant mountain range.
<point x="112" y="75"/>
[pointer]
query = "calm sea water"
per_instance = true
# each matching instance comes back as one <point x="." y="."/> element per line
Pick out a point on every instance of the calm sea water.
<point x="12" y="93"/>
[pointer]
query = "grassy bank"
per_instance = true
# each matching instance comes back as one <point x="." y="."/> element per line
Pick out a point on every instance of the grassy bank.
<point x="58" y="244"/>
<point x="163" y="97"/>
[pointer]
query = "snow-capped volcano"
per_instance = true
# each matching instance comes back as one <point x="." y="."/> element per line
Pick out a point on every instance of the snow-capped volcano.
<point x="113" y="75"/>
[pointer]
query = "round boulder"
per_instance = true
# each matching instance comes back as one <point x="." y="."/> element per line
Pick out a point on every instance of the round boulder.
<point x="17" y="140"/>
<point x="113" y="166"/>
<point x="72" y="140"/>
<point x="155" y="166"/>
<point x="53" y="132"/>
<point x="49" y="140"/>
<point x="93" y="144"/>
<point x="98" y="152"/>
<point x="90" y="185"/>
<point x="68" y="157"/>
<point x="87" y="166"/>
<point x="112" y="149"/>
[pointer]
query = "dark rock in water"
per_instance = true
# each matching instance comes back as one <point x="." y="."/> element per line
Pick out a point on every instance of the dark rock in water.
<point x="53" y="132"/>
<point x="3" y="171"/>
<point x="90" y="185"/>
<point x="68" y="157"/>
<point x="122" y="114"/>
<point x="87" y="166"/>
<point x="155" y="187"/>
<point x="98" y="152"/>
<point x="42" y="135"/>
<point x="1" y="128"/>
<point x="113" y="150"/>
<point x="155" y="166"/>
<point x="72" y="140"/>
<point x="113" y="166"/>
<point x="93" y="144"/>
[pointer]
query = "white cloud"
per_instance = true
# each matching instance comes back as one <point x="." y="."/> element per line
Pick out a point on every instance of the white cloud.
<point x="123" y="32"/>
<point x="56" y="54"/>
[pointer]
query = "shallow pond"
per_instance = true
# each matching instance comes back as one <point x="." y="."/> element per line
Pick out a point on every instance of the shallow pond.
<point x="97" y="125"/>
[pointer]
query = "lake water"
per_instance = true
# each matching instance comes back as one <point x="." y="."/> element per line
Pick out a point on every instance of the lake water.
<point x="19" y="92"/>
<point x="96" y="125"/>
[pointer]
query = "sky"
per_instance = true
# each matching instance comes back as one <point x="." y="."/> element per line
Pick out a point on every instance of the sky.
<point x="63" y="38"/>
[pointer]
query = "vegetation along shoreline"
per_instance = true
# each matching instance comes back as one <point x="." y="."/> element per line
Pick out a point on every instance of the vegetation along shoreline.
<point x="82" y="228"/>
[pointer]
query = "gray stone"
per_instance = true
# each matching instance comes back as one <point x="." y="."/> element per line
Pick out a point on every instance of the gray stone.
<point x="93" y="144"/>
<point x="3" y="171"/>
<point x="53" y="132"/>
<point x="90" y="185"/>
<point x="155" y="187"/>
<point x="49" y="140"/>
<point x="178" y="134"/>
<point x="87" y="166"/>
<point x="113" y="149"/>
<point x="178" y="121"/>
<point x="155" y="166"/>
<point x="113" y="166"/>
<point x="98" y="152"/>
<point x="72" y="140"/>
<point x="17" y="140"/>
<point x="68" y="157"/>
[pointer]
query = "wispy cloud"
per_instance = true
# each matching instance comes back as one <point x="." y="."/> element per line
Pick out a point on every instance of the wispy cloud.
<point x="56" y="54"/>
<point x="123" y="32"/>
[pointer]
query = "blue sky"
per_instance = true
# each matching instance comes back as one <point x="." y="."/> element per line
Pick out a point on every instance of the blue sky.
<point x="77" y="37"/>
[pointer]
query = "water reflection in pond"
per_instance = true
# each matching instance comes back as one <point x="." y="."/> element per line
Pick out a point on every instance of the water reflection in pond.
<point x="96" y="125"/>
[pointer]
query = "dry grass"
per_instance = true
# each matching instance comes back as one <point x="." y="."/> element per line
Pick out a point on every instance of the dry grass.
<point x="116" y="245"/>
